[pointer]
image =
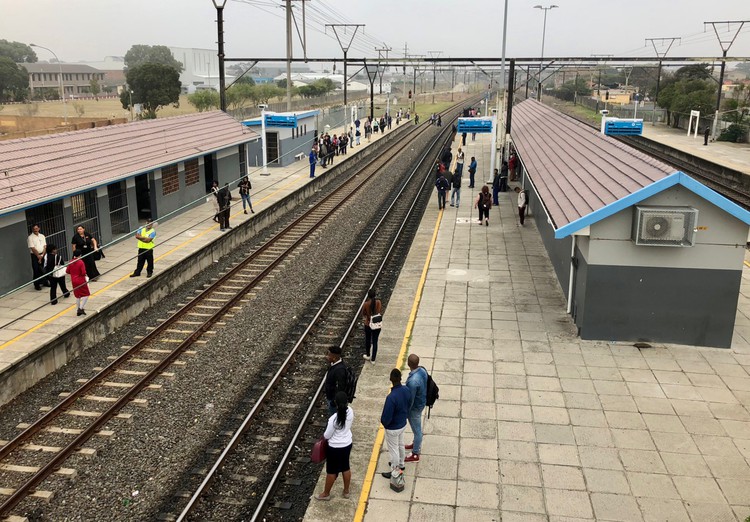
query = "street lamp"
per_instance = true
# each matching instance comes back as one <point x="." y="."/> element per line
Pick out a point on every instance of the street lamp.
<point x="62" y="89"/>
<point x="544" y="31"/>
<point x="219" y="5"/>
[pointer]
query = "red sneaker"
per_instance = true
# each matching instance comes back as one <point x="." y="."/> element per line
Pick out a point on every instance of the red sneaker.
<point x="409" y="446"/>
<point x="412" y="457"/>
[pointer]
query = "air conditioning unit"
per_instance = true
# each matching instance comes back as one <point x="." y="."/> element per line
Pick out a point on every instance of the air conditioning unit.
<point x="665" y="226"/>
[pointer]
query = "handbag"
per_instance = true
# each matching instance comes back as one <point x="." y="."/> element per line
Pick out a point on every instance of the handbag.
<point x="376" y="322"/>
<point x="318" y="453"/>
<point x="59" y="272"/>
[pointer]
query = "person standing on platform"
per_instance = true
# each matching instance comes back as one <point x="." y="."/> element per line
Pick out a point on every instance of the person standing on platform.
<point x="416" y="119"/>
<point x="706" y="134"/>
<point x="339" y="436"/>
<point x="460" y="162"/>
<point x="54" y="268"/>
<point x="393" y="419"/>
<point x="484" y="204"/>
<point x="416" y="382"/>
<point x="145" y="236"/>
<point x="372" y="307"/>
<point x="463" y="139"/>
<point x="245" y="186"/>
<point x="313" y="161"/>
<point x="79" y="280"/>
<point x="86" y="244"/>
<point x="521" y="204"/>
<point x="335" y="377"/>
<point x="447" y="157"/>
<point x="503" y="177"/>
<point x="512" y="162"/>
<point x="456" y="182"/>
<point x="442" y="186"/>
<point x="37" y="244"/>
<point x="215" y="199"/>
<point x="225" y="204"/>
<point x="472" y="171"/>
<point x="495" y="187"/>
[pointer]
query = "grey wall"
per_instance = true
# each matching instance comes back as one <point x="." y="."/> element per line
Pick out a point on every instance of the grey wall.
<point x="673" y="305"/>
<point x="105" y="224"/>
<point x="290" y="147"/>
<point x="228" y="165"/>
<point x="14" y="256"/>
<point x="132" y="203"/>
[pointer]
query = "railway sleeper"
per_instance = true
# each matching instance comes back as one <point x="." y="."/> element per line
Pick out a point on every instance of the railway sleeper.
<point x="44" y="495"/>
<point x="89" y="414"/>
<point x="86" y="452"/>
<point x="121" y="384"/>
<point x="65" y="431"/>
<point x="15" y="468"/>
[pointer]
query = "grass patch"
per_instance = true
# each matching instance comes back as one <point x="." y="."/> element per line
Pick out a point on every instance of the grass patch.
<point x="104" y="108"/>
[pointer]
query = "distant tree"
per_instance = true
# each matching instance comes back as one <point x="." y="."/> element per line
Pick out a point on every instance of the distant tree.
<point x="140" y="54"/>
<point x="244" y="80"/>
<point x="46" y="93"/>
<point x="79" y="108"/>
<point x="14" y="80"/>
<point x="17" y="51"/>
<point x="680" y="96"/>
<point x="645" y="79"/>
<point x="95" y="88"/>
<point x="266" y="91"/>
<point x="325" y="85"/>
<point x="569" y="90"/>
<point x="743" y="67"/>
<point x="154" y="86"/>
<point x="281" y="84"/>
<point x="736" y="106"/>
<point x="204" y="100"/>
<point x="698" y="71"/>
<point x="240" y="95"/>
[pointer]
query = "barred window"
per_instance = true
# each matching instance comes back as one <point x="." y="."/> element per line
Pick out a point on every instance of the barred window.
<point x="192" y="172"/>
<point x="170" y="181"/>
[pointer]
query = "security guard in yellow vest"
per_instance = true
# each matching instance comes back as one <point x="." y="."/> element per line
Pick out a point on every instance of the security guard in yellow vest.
<point x="145" y="236"/>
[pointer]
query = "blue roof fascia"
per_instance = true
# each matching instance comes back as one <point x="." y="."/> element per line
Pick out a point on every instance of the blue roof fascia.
<point x="255" y="122"/>
<point x="676" y="178"/>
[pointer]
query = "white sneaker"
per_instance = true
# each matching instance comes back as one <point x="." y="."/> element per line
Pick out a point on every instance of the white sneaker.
<point x="366" y="357"/>
<point x="371" y="361"/>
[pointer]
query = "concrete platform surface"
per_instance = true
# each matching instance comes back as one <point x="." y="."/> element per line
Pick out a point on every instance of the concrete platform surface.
<point x="534" y="424"/>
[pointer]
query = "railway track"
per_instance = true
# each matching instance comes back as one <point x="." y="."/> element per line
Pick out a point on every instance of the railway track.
<point x="85" y="412"/>
<point x="235" y="485"/>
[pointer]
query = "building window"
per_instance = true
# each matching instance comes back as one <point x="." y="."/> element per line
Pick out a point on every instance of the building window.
<point x="170" y="180"/>
<point x="243" y="160"/>
<point x="192" y="172"/>
<point x="305" y="129"/>
<point x="85" y="212"/>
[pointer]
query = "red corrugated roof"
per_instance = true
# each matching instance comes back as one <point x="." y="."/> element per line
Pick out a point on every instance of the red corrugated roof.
<point x="576" y="169"/>
<point x="34" y="170"/>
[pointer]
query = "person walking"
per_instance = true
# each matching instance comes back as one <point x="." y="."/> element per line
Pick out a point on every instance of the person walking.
<point x="484" y="204"/>
<point x="521" y="204"/>
<point x="504" y="177"/>
<point x="215" y="199"/>
<point x="393" y="419"/>
<point x="372" y="308"/>
<point x="463" y="139"/>
<point x="87" y="245"/>
<point x="472" y="171"/>
<point x="456" y="182"/>
<point x="79" y="280"/>
<point x="447" y="157"/>
<point x="706" y="134"/>
<point x="338" y="433"/>
<point x="225" y="204"/>
<point x="313" y="161"/>
<point x="37" y="245"/>
<point x="335" y="377"/>
<point x="54" y="267"/>
<point x="145" y="236"/>
<point x="416" y="382"/>
<point x="439" y="121"/>
<point x="416" y="119"/>
<point x="495" y="187"/>
<point x="442" y="186"/>
<point x="245" y="187"/>
<point x="460" y="162"/>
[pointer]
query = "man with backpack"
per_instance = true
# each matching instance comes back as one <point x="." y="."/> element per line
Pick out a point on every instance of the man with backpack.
<point x="442" y="185"/>
<point x="416" y="382"/>
<point x="336" y="377"/>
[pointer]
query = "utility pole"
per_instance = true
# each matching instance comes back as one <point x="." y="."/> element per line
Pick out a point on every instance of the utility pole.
<point x="288" y="55"/>
<point x="385" y="50"/>
<point x="725" y="44"/>
<point x="345" y="45"/>
<point x="660" y="53"/>
<point x="434" y="54"/>
<point x="501" y="104"/>
<point x="406" y="57"/>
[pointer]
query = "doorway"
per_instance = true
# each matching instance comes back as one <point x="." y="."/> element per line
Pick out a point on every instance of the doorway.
<point x="272" y="147"/>
<point x="209" y="168"/>
<point x="143" y="197"/>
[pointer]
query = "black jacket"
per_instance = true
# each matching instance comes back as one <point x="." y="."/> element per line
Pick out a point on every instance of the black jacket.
<point x="50" y="263"/>
<point x="335" y="380"/>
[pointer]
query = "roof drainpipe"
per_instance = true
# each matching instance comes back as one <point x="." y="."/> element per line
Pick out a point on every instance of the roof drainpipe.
<point x="572" y="272"/>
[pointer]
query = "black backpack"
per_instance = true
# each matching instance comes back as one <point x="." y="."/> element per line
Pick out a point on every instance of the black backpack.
<point x="433" y="392"/>
<point x="351" y="384"/>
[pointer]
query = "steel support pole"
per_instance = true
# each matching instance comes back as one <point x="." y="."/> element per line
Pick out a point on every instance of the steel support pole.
<point x="511" y="89"/>
<point x="346" y="78"/>
<point x="656" y="95"/>
<point x="222" y="78"/>
<point x="288" y="55"/>
<point x="718" y="96"/>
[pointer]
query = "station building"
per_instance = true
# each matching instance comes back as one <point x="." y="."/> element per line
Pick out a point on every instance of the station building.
<point x="289" y="137"/>
<point x="111" y="179"/>
<point x="642" y="252"/>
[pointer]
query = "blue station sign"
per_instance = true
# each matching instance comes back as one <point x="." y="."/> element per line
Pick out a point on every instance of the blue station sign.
<point x="623" y="127"/>
<point x="281" y="120"/>
<point x="478" y="125"/>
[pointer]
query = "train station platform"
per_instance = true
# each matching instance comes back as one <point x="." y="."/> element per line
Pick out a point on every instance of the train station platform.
<point x="732" y="155"/>
<point x="29" y="324"/>
<point x="534" y="424"/>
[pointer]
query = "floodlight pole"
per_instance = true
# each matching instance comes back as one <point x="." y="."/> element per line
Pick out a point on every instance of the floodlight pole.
<point x="660" y="55"/>
<point x="544" y="34"/>
<point x="219" y="5"/>
<point x="62" y="88"/>
<point x="501" y="104"/>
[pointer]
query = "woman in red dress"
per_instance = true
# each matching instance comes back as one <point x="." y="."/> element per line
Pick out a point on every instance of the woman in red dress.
<point x="79" y="280"/>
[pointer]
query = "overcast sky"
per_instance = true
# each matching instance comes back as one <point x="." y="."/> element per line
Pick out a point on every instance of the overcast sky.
<point x="91" y="29"/>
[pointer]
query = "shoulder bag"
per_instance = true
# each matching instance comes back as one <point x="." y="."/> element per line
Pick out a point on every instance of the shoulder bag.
<point x="376" y="320"/>
<point x="318" y="453"/>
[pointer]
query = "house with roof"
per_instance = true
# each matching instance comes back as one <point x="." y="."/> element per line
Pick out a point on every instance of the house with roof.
<point x="289" y="136"/>
<point x="642" y="252"/>
<point x="111" y="179"/>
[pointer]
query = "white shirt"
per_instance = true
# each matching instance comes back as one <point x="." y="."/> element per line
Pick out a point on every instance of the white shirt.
<point x="339" y="437"/>
<point x="460" y="158"/>
<point x="521" y="199"/>
<point x="36" y="241"/>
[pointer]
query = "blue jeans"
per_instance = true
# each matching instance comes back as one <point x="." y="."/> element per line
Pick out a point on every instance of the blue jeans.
<point x="312" y="170"/>
<point x="331" y="407"/>
<point x="441" y="199"/>
<point x="457" y="193"/>
<point x="246" y="201"/>
<point x="415" y="421"/>
<point x="459" y="168"/>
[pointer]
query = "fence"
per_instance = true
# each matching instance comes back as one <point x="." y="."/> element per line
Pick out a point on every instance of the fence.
<point x="300" y="104"/>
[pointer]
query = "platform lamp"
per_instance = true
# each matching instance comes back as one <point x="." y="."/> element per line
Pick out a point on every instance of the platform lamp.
<point x="219" y="5"/>
<point x="544" y="33"/>
<point x="62" y="89"/>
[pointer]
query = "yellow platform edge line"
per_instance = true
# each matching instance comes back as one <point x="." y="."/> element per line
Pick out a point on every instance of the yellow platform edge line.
<point x="47" y="321"/>
<point x="373" y="464"/>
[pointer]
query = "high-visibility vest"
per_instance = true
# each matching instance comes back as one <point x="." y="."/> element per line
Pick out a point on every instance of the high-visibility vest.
<point x="146" y="232"/>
